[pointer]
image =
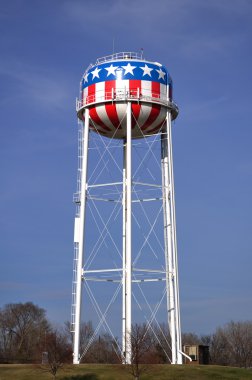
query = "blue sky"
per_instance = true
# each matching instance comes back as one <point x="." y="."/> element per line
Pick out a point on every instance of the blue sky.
<point x="206" y="46"/>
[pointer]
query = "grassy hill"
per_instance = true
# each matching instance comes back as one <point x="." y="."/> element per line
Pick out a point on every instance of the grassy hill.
<point x="116" y="372"/>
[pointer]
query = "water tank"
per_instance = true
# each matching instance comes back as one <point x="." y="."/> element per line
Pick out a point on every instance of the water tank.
<point x="113" y="81"/>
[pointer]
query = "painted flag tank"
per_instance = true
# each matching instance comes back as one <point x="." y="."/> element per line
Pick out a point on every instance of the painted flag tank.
<point x="107" y="86"/>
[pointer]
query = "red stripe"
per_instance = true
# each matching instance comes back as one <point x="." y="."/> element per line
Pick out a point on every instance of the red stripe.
<point x="155" y="111"/>
<point x="96" y="119"/>
<point x="111" y="108"/>
<point x="134" y="89"/>
<point x="91" y="93"/>
<point x="135" y="108"/>
<point x="155" y="89"/>
<point x="109" y="86"/>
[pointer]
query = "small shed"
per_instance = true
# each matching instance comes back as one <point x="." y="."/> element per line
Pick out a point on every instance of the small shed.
<point x="198" y="353"/>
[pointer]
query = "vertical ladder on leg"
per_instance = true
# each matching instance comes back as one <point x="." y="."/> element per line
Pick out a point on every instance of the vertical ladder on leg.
<point x="76" y="199"/>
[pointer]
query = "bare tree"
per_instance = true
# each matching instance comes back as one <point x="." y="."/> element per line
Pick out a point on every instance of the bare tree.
<point x="206" y="339"/>
<point x="219" y="352"/>
<point x="59" y="351"/>
<point x="240" y="341"/>
<point x="22" y="330"/>
<point x="190" y="339"/>
<point x="140" y="342"/>
<point x="104" y="350"/>
<point x="232" y="344"/>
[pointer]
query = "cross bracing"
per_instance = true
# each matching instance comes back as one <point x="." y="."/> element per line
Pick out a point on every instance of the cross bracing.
<point x="102" y="270"/>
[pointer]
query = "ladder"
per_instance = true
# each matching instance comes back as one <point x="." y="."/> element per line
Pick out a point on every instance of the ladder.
<point x="76" y="199"/>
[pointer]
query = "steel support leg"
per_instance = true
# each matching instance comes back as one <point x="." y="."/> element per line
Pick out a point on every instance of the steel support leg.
<point x="127" y="269"/>
<point x="76" y="337"/>
<point x="170" y="243"/>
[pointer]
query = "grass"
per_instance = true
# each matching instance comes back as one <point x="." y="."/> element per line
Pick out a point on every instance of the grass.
<point x="117" y="372"/>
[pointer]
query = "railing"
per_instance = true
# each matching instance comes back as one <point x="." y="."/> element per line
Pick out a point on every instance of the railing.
<point x="117" y="56"/>
<point x="122" y="95"/>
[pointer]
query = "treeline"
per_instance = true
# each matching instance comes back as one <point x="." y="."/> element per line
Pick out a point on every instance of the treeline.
<point x="230" y="345"/>
<point x="26" y="333"/>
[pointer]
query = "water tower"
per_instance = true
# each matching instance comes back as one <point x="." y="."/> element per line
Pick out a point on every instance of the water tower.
<point x="125" y="102"/>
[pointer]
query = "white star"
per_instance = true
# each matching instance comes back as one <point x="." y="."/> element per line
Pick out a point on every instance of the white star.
<point x="95" y="72"/>
<point x="111" y="70"/>
<point x="161" y="74"/>
<point x="128" y="69"/>
<point x="146" y="70"/>
<point x="86" y="77"/>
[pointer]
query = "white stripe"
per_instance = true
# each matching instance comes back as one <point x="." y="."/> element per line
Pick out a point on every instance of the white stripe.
<point x="146" y="88"/>
<point x="145" y="111"/>
<point x="121" y="87"/>
<point x="163" y="91"/>
<point x="158" y="120"/>
<point x="169" y="89"/>
<point x="99" y="91"/>
<point x="121" y="109"/>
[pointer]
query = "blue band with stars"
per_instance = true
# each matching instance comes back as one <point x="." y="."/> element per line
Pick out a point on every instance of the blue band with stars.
<point x="126" y="70"/>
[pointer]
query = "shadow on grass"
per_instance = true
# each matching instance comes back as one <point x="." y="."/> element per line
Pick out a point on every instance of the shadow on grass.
<point x="87" y="376"/>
